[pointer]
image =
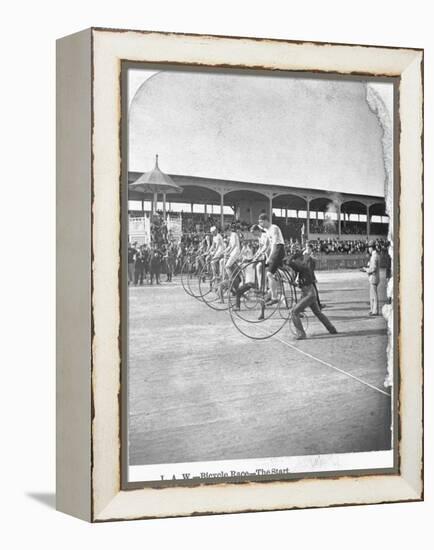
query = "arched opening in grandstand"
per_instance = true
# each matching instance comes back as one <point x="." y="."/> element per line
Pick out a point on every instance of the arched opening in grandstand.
<point x="290" y="213"/>
<point x="324" y="214"/>
<point x="354" y="220"/>
<point x="379" y="220"/>
<point x="247" y="205"/>
<point x="199" y="207"/>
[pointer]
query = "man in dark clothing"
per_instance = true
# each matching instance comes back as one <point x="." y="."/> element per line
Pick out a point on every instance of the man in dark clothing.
<point x="146" y="258"/>
<point x="309" y="298"/>
<point x="131" y="256"/>
<point x="170" y="263"/>
<point x="310" y="262"/>
<point x="155" y="266"/>
<point x="139" y="267"/>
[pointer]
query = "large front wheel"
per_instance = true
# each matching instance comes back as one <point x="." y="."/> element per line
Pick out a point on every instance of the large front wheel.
<point x="193" y="278"/>
<point x="185" y="274"/>
<point x="251" y="312"/>
<point x="212" y="289"/>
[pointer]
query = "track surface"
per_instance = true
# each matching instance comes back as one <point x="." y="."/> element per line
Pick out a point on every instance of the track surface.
<point x="199" y="390"/>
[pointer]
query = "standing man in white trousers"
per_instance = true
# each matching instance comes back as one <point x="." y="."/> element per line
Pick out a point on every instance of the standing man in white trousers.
<point x="373" y="271"/>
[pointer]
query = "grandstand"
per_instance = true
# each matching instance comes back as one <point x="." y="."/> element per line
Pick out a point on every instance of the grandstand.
<point x="302" y="213"/>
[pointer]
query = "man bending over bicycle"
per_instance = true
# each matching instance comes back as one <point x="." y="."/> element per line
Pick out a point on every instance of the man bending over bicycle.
<point x="309" y="296"/>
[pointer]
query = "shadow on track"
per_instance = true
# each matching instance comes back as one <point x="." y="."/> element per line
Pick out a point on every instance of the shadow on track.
<point x="351" y="333"/>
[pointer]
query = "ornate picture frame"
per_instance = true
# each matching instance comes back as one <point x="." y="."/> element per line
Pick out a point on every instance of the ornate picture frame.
<point x="91" y="333"/>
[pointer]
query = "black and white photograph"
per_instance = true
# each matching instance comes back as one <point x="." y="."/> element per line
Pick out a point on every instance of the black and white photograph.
<point x="259" y="274"/>
<point x="218" y="334"/>
<point x="217" y="337"/>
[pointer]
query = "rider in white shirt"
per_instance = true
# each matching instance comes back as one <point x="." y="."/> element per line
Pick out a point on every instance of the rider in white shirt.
<point x="264" y="244"/>
<point x="262" y="252"/>
<point x="216" y="251"/>
<point x="202" y="251"/>
<point x="276" y="254"/>
<point x="275" y="235"/>
<point x="246" y="256"/>
<point x="233" y="250"/>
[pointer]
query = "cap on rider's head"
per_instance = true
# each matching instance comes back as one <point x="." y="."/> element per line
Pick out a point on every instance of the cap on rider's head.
<point x="213" y="228"/>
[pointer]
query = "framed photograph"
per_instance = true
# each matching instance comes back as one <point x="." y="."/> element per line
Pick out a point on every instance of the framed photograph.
<point x="239" y="267"/>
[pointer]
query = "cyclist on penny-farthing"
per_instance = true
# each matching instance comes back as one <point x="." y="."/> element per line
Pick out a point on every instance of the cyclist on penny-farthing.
<point x="253" y="273"/>
<point x="231" y="254"/>
<point x="275" y="257"/>
<point x="202" y="251"/>
<point x="215" y="253"/>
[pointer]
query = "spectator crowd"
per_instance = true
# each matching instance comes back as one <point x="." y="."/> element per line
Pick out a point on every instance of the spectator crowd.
<point x="343" y="246"/>
<point x="165" y="256"/>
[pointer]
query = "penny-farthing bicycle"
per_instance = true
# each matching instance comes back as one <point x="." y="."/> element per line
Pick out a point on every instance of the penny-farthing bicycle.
<point x="190" y="271"/>
<point x="249" y="306"/>
<point x="186" y="272"/>
<point x="214" y="286"/>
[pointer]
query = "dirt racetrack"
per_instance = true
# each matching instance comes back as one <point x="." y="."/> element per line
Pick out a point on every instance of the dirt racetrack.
<point x="199" y="390"/>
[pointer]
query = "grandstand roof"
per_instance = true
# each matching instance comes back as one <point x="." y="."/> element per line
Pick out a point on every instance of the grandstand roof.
<point x="209" y="190"/>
